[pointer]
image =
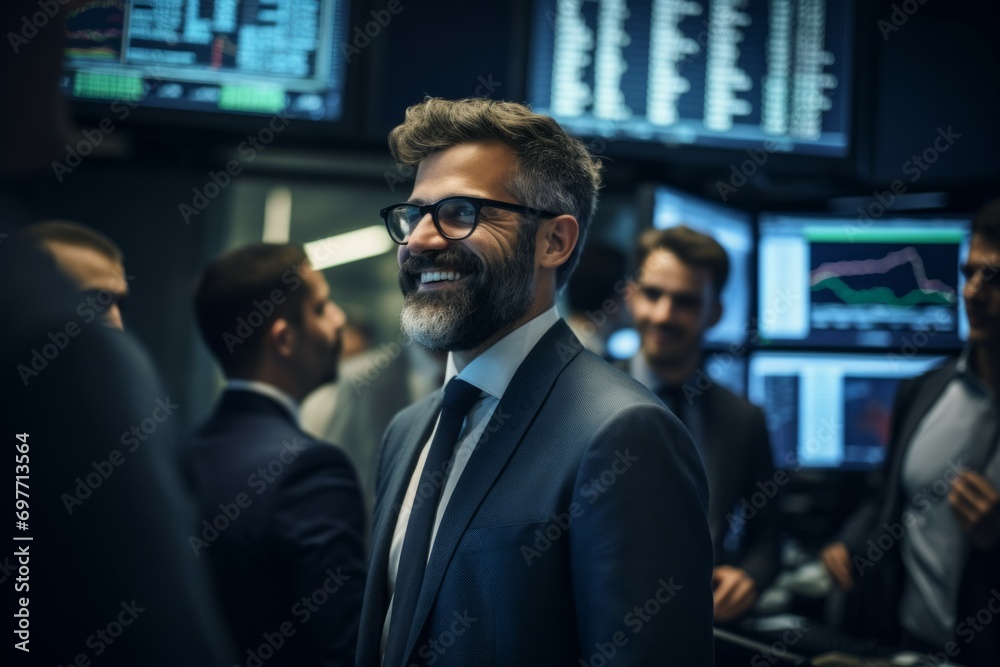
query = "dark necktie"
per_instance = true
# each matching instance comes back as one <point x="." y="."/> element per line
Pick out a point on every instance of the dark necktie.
<point x="459" y="397"/>
<point x="684" y="407"/>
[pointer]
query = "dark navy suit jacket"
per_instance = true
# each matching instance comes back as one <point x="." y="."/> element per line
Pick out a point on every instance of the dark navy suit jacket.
<point x="737" y="454"/>
<point x="290" y="567"/>
<point x="577" y="531"/>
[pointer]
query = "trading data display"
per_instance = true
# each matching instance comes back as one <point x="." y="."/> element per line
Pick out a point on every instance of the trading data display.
<point x="232" y="56"/>
<point x="726" y="73"/>
<point x="840" y="283"/>
<point x="830" y="410"/>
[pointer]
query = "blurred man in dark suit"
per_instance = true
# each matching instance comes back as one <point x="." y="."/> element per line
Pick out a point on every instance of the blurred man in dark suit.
<point x="926" y="553"/>
<point x="91" y="261"/>
<point x="281" y="516"/>
<point x="674" y="301"/>
<point x="103" y="573"/>
<point x="545" y="508"/>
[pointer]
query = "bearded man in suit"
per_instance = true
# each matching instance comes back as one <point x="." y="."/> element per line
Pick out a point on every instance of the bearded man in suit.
<point x="545" y="508"/>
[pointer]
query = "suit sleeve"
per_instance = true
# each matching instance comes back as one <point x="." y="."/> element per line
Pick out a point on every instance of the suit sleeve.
<point x="761" y="554"/>
<point x="641" y="554"/>
<point x="318" y="527"/>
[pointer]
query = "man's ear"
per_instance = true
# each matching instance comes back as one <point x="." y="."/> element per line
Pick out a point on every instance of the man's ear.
<point x="556" y="239"/>
<point x="281" y="338"/>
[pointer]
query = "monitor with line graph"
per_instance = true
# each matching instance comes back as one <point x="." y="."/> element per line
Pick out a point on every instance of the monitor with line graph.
<point x="844" y="282"/>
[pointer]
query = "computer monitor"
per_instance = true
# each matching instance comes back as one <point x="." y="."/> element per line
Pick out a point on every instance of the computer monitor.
<point x="848" y="282"/>
<point x="733" y="230"/>
<point x="274" y="57"/>
<point x="772" y="76"/>
<point x="827" y="410"/>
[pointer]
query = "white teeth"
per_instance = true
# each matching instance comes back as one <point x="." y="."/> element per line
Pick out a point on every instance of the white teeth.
<point x="438" y="276"/>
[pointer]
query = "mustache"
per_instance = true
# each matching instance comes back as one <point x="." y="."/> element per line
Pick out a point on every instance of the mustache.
<point x="452" y="258"/>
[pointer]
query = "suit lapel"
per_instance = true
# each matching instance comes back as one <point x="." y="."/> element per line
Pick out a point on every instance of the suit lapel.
<point x="921" y="404"/>
<point x="520" y="403"/>
<point x="713" y="431"/>
<point x="376" y="599"/>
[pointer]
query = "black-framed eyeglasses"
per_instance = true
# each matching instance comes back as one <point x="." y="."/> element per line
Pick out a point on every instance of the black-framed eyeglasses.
<point x="455" y="217"/>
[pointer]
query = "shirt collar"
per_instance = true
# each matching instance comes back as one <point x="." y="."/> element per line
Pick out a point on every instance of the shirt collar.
<point x="964" y="370"/>
<point x="269" y="390"/>
<point x="493" y="370"/>
<point x="640" y="369"/>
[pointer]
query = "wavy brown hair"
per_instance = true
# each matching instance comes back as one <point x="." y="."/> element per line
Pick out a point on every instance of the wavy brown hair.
<point x="555" y="172"/>
<point x="691" y="247"/>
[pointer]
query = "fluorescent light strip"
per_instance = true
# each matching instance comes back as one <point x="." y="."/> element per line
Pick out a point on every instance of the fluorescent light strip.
<point x="278" y="215"/>
<point x="349" y="247"/>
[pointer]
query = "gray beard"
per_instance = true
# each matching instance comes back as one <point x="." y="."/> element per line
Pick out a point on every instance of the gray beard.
<point x="464" y="318"/>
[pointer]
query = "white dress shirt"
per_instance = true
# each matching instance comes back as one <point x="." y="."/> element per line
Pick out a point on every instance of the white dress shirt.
<point x="491" y="372"/>
<point x="269" y="390"/>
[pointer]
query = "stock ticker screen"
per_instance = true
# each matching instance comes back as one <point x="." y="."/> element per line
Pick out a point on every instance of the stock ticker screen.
<point x="723" y="73"/>
<point x="228" y="56"/>
<point x="828" y="410"/>
<point x="891" y="283"/>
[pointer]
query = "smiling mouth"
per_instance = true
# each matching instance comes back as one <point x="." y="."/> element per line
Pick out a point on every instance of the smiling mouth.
<point x="433" y="278"/>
